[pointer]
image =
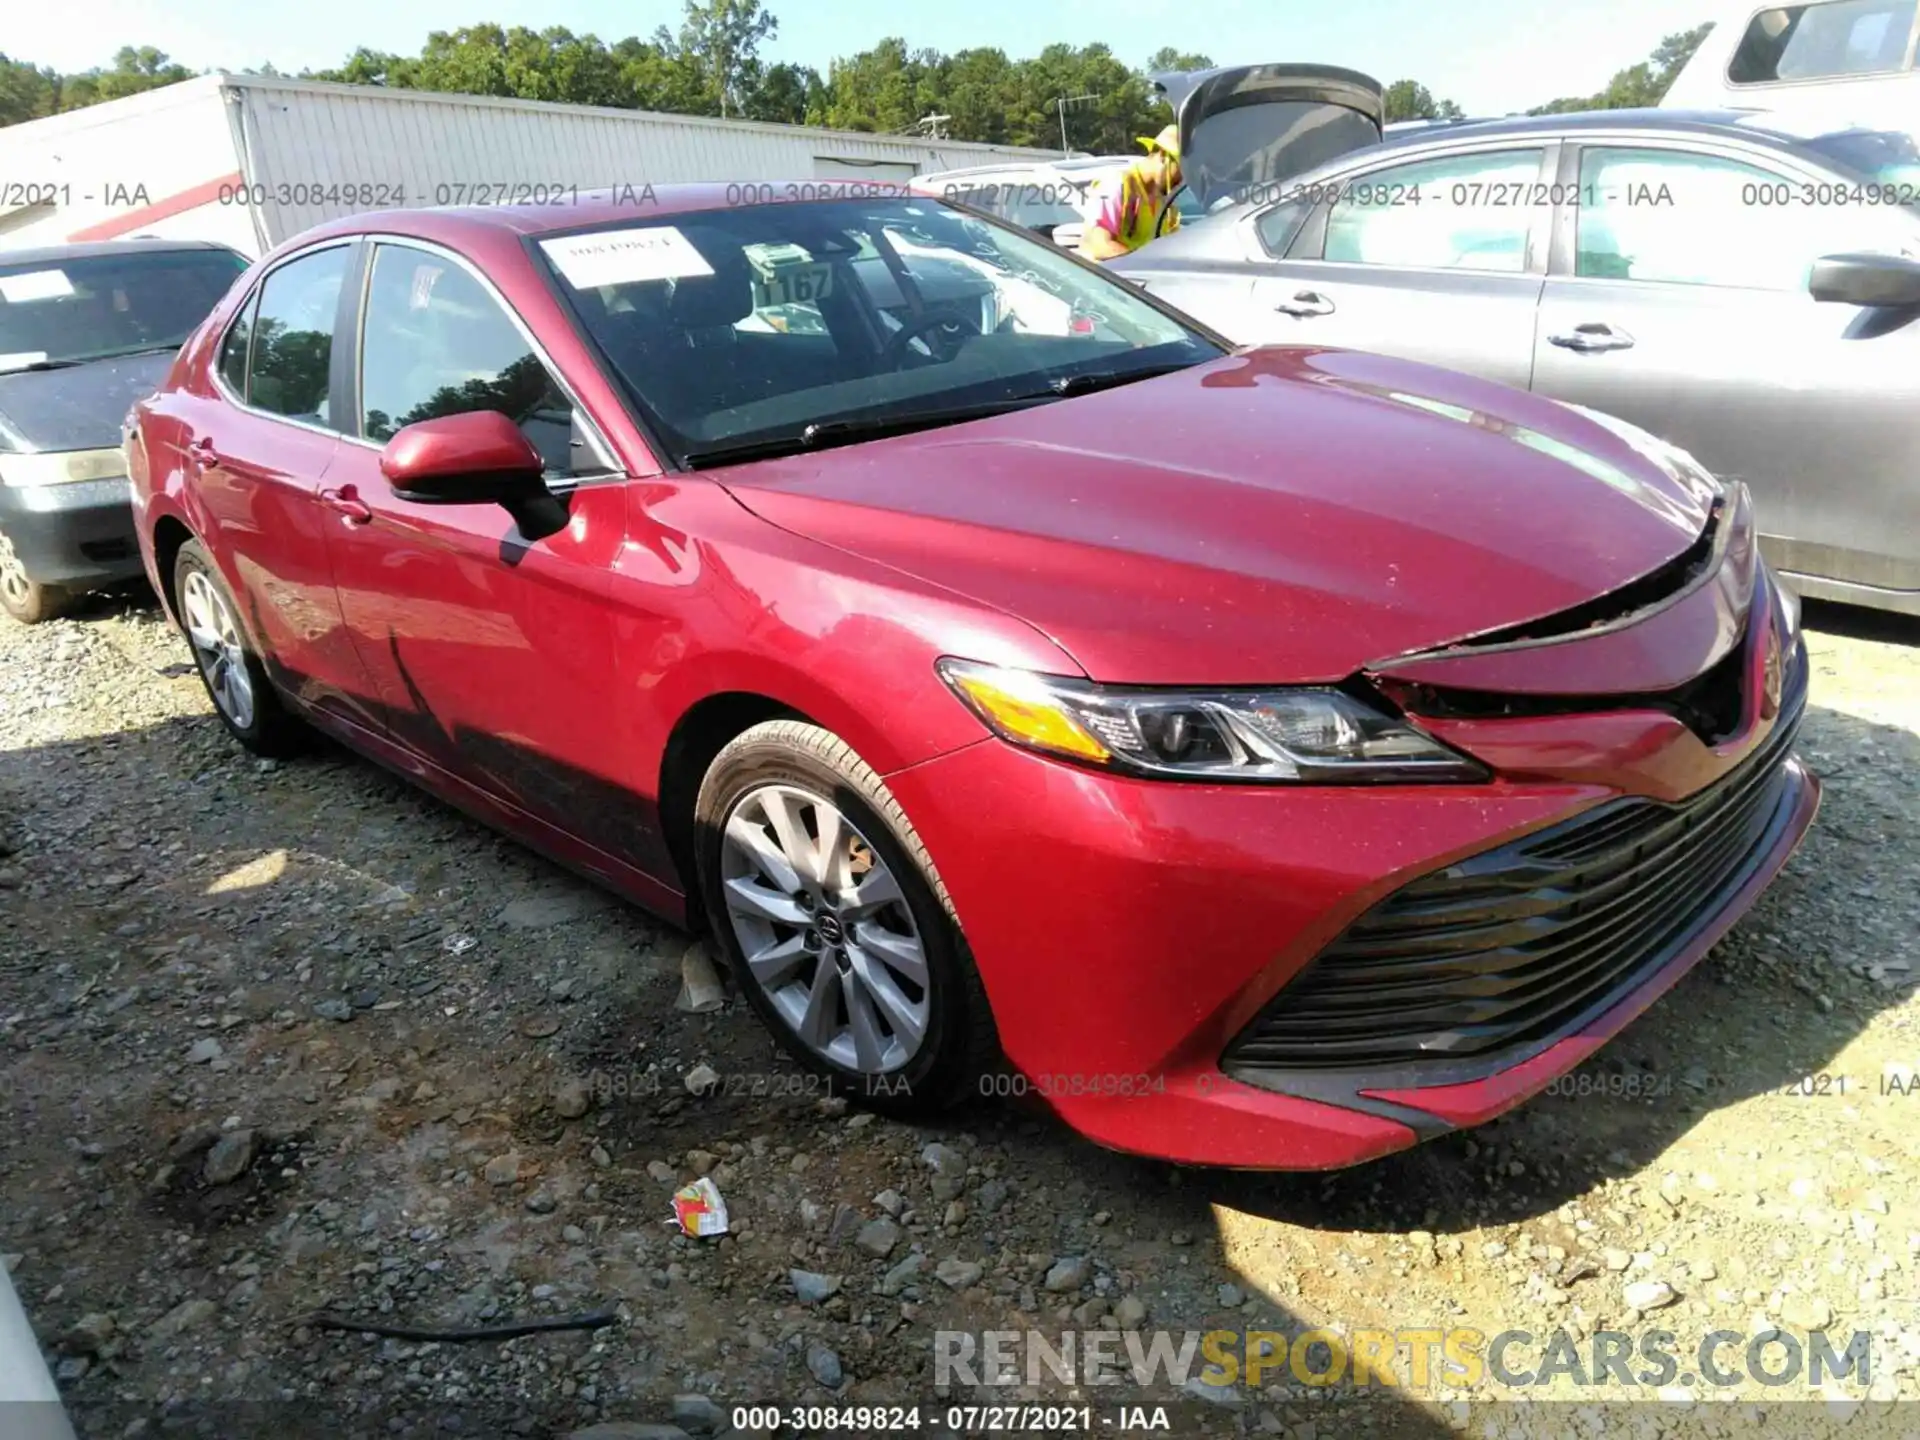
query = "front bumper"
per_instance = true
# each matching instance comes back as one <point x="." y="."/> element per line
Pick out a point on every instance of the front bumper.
<point x="1130" y="932"/>
<point x="76" y="534"/>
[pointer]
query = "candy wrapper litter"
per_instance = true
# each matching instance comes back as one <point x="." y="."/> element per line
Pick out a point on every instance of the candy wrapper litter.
<point x="698" y="1209"/>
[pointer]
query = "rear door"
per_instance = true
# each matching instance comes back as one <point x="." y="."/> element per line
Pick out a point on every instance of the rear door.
<point x="1678" y="301"/>
<point x="1438" y="257"/>
<point x="261" y="449"/>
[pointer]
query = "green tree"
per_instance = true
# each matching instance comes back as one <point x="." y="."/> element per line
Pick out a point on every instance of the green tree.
<point x="657" y="76"/>
<point x="27" y="92"/>
<point x="878" y="89"/>
<point x="976" y="90"/>
<point x="1120" y="108"/>
<point x="1410" y="100"/>
<point x="136" y="68"/>
<point x="1641" y="85"/>
<point x="1168" y="58"/>
<point x="789" y="94"/>
<point x="723" y="37"/>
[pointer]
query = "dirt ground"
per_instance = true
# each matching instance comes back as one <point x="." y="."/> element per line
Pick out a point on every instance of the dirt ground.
<point x="441" y="1084"/>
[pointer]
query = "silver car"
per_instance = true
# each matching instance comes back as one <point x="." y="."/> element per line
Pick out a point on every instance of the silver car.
<point x="1746" y="289"/>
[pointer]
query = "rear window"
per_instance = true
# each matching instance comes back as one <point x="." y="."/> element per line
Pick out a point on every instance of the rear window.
<point x="1824" y="41"/>
<point x="96" y="306"/>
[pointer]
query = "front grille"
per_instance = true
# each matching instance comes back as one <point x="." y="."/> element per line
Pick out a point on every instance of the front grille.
<point x="1710" y="705"/>
<point x="1518" y="944"/>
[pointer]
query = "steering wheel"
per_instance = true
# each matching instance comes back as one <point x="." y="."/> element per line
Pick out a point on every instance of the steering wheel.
<point x="944" y="335"/>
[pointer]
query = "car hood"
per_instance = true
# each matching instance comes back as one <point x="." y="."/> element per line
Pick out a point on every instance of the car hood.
<point x="1280" y="515"/>
<point x="80" y="408"/>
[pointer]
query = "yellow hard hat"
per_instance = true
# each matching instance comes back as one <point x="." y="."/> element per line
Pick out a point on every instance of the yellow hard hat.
<point x="1167" y="140"/>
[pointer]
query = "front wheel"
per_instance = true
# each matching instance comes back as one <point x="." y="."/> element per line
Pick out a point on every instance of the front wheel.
<point x="835" y="923"/>
<point x="23" y="597"/>
<point x="236" y="681"/>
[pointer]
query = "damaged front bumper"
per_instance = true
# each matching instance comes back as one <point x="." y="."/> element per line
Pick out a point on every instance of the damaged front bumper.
<point x="1305" y="977"/>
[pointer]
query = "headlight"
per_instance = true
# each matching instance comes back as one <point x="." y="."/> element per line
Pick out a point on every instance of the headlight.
<point x="1789" y="608"/>
<point x="1310" y="735"/>
<point x="61" y="467"/>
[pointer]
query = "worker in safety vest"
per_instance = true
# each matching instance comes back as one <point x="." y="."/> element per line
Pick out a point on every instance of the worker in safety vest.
<point x="1137" y="205"/>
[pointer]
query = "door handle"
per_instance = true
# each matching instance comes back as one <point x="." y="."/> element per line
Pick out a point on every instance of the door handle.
<point x="200" y="450"/>
<point x="347" y="503"/>
<point x="1592" y="338"/>
<point x="1304" y="304"/>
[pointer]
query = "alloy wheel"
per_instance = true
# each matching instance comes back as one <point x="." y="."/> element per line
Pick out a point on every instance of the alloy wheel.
<point x="825" y="929"/>
<point x="14" y="583"/>
<point x="215" y="636"/>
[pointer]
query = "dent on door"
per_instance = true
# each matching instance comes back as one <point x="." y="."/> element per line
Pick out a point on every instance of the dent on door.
<point x="494" y="652"/>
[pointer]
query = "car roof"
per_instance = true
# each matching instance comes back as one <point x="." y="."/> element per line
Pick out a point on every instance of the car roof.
<point x="1067" y="164"/>
<point x="1761" y="125"/>
<point x="622" y="205"/>
<point x="54" y="254"/>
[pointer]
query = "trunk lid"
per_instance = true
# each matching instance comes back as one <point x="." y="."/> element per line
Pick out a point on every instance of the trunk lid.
<point x="1244" y="126"/>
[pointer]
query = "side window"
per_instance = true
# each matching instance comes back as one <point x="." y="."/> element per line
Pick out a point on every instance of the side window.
<point x="1692" y="219"/>
<point x="1821" y="41"/>
<point x="1280" y="224"/>
<point x="1463" y="212"/>
<point x="293" y="336"/>
<point x="436" y="343"/>
<point x="233" y="349"/>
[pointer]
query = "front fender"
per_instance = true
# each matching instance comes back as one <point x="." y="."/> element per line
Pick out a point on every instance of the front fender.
<point x="709" y="599"/>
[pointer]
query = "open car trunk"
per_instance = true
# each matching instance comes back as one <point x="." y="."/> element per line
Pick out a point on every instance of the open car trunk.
<point x="1244" y="126"/>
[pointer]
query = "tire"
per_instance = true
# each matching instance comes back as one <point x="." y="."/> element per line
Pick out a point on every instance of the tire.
<point x="223" y="654"/>
<point x="780" y="765"/>
<point x="27" y="600"/>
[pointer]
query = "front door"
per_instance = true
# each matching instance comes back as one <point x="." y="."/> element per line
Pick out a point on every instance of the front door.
<point x="1679" y="302"/>
<point x="1435" y="260"/>
<point x="493" y="649"/>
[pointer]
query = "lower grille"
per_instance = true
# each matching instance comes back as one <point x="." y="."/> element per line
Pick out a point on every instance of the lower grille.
<point x="1515" y="945"/>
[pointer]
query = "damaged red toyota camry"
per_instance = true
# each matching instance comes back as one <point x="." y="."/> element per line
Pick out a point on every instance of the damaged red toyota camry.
<point x="1280" y="756"/>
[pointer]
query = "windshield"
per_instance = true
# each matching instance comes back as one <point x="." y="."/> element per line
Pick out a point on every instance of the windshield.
<point x="95" y="306"/>
<point x="1889" y="160"/>
<point x="782" y="324"/>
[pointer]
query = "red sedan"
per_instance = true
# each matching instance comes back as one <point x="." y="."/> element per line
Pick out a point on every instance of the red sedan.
<point x="1280" y="756"/>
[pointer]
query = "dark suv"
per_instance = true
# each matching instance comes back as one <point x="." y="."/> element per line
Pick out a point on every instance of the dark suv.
<point x="85" y="330"/>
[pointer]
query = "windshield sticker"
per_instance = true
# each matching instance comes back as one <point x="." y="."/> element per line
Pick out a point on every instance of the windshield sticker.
<point x="659" y="252"/>
<point x="35" y="285"/>
<point x="21" y="359"/>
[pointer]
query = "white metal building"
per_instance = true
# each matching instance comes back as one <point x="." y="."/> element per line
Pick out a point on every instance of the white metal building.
<point x="249" y="160"/>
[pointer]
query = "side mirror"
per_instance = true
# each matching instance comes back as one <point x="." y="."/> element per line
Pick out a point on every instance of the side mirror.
<point x="476" y="458"/>
<point x="1881" y="280"/>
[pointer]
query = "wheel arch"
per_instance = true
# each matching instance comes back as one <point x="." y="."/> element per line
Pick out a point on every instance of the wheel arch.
<point x="702" y="732"/>
<point x="170" y="536"/>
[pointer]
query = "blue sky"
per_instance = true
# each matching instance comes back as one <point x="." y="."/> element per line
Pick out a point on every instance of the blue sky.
<point x="1490" y="55"/>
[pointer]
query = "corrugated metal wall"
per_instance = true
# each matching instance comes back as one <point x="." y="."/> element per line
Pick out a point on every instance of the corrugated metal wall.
<point x="305" y="139"/>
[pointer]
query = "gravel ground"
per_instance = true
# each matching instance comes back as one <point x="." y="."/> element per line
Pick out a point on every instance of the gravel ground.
<point x="278" y="1039"/>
